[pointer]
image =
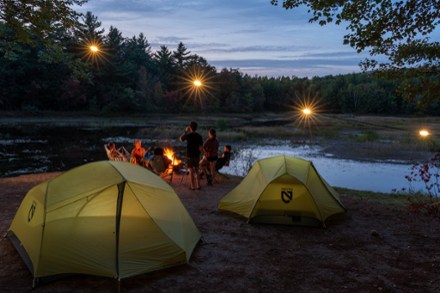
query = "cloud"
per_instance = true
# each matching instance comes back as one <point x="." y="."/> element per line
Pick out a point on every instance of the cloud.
<point x="308" y="66"/>
<point x="260" y="48"/>
<point x="249" y="34"/>
<point x="300" y="62"/>
<point x="301" y="72"/>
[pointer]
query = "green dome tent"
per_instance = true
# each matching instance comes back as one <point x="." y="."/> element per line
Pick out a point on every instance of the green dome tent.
<point x="283" y="190"/>
<point x="106" y="218"/>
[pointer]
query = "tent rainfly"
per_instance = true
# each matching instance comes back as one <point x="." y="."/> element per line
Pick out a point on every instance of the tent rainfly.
<point x="107" y="218"/>
<point x="283" y="190"/>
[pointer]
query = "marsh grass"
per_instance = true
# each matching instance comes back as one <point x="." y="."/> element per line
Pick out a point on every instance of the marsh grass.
<point x="222" y="125"/>
<point x="429" y="144"/>
<point x="231" y="135"/>
<point x="167" y="132"/>
<point x="365" y="136"/>
<point x="377" y="134"/>
<point x="273" y="131"/>
<point x="252" y="133"/>
<point x="327" y="132"/>
<point x="373" y="133"/>
<point x="391" y="200"/>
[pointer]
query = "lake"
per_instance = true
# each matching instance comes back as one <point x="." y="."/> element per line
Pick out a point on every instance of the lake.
<point x="370" y="176"/>
<point x="42" y="147"/>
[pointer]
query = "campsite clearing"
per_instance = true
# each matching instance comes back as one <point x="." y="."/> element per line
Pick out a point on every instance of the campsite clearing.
<point x="377" y="246"/>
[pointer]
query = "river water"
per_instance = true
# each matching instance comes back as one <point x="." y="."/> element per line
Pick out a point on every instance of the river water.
<point x="36" y="148"/>
<point x="370" y="176"/>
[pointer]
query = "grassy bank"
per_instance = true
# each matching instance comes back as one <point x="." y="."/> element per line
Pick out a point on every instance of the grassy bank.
<point x="386" y="199"/>
<point x="387" y="129"/>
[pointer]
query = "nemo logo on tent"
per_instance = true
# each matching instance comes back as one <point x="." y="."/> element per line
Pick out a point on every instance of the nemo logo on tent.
<point x="32" y="211"/>
<point x="265" y="194"/>
<point x="134" y="224"/>
<point x="286" y="195"/>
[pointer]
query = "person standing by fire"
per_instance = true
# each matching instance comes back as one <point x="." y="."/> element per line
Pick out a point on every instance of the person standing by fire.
<point x="210" y="146"/>
<point x="194" y="147"/>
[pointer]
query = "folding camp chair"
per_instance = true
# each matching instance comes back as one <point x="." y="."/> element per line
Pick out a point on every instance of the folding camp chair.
<point x="220" y="164"/>
<point x="118" y="155"/>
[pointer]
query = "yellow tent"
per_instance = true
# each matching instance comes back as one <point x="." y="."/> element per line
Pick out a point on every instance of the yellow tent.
<point x="107" y="218"/>
<point x="283" y="190"/>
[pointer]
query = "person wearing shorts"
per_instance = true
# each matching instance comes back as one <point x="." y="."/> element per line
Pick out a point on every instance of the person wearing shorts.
<point x="210" y="157"/>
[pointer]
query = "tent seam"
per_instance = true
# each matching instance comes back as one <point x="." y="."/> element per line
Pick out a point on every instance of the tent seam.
<point x="44" y="227"/>
<point x="121" y="191"/>
<point x="325" y="186"/>
<point x="125" y="179"/>
<point x="313" y="198"/>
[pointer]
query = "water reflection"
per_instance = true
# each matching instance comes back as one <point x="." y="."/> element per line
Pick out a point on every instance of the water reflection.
<point x="36" y="148"/>
<point x="377" y="177"/>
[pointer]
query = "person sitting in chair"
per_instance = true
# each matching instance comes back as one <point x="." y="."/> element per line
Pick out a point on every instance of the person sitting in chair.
<point x="224" y="159"/>
<point x="138" y="154"/>
<point x="116" y="154"/>
<point x="159" y="163"/>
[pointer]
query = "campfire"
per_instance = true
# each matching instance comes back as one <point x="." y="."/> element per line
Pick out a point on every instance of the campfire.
<point x="171" y="155"/>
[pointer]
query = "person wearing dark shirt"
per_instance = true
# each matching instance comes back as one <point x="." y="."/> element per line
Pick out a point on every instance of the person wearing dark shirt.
<point x="194" y="146"/>
<point x="224" y="159"/>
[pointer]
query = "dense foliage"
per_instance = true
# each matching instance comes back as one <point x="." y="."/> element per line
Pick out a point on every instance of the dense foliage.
<point x="400" y="31"/>
<point x="49" y="67"/>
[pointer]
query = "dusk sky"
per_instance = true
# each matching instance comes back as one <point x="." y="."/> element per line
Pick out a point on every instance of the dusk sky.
<point x="250" y="35"/>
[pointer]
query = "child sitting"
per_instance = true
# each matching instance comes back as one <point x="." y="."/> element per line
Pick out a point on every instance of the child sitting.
<point x="224" y="159"/>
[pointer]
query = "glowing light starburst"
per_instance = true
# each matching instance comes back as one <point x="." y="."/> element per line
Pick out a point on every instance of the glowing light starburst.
<point x="424" y="133"/>
<point x="93" y="51"/>
<point x="197" y="82"/>
<point x="306" y="111"/>
<point x="197" y="85"/>
<point x="94" y="48"/>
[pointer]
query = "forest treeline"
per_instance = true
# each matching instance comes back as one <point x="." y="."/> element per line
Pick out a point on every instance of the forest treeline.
<point x="126" y="76"/>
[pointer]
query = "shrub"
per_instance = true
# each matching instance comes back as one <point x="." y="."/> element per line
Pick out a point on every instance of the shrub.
<point x="244" y="159"/>
<point x="366" y="136"/>
<point x="428" y="201"/>
<point x="221" y="125"/>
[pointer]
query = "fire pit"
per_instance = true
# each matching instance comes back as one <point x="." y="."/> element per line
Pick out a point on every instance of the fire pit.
<point x="178" y="165"/>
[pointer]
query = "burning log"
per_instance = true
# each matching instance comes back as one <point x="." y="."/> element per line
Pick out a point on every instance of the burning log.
<point x="172" y="156"/>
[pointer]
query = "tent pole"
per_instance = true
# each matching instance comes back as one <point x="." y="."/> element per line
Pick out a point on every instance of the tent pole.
<point x="121" y="188"/>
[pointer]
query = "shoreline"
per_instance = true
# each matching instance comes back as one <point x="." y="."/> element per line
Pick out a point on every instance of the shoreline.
<point x="62" y="141"/>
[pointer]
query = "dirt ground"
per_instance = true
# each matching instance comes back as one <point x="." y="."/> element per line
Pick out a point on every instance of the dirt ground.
<point x="374" y="247"/>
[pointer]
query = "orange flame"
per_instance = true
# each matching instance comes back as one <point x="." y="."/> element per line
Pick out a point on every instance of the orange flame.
<point x="170" y="154"/>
